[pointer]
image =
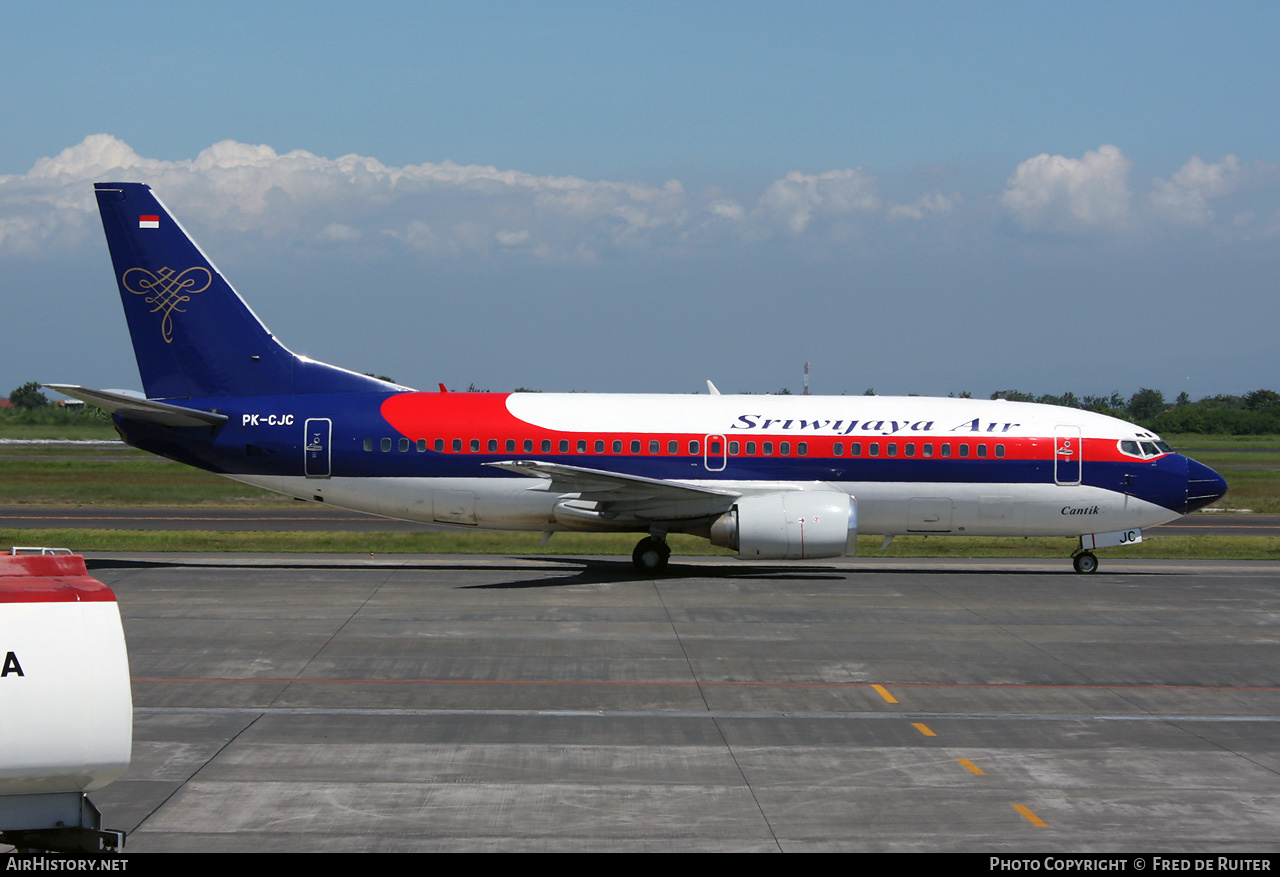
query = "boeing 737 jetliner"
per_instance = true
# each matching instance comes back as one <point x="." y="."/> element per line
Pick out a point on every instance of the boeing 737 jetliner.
<point x="777" y="477"/>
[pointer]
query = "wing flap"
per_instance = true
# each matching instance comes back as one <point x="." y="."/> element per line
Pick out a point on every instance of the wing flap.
<point x="609" y="486"/>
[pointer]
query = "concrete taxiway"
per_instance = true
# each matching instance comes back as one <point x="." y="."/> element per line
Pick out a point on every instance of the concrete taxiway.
<point x="507" y="703"/>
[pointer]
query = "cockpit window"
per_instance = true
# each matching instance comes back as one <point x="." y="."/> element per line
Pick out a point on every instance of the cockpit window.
<point x="1144" y="449"/>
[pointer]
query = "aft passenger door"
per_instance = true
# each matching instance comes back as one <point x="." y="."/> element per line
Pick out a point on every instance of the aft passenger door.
<point x="317" y="457"/>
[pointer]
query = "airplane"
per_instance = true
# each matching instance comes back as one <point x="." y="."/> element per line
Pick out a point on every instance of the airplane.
<point x="768" y="477"/>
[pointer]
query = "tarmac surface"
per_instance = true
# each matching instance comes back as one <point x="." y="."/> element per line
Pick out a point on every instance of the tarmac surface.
<point x="510" y="703"/>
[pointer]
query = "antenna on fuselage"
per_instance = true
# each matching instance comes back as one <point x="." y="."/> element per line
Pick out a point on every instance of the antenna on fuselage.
<point x="806" y="378"/>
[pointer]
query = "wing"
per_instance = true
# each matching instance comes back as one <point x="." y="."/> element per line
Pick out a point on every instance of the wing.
<point x="614" y="499"/>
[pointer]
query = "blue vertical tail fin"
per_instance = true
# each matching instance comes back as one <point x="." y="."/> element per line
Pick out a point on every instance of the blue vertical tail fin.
<point x="194" y="337"/>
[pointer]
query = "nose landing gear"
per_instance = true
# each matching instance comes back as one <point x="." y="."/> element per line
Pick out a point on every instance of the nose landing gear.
<point x="1085" y="561"/>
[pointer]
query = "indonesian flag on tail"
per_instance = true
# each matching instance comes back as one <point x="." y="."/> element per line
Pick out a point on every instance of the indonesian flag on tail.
<point x="149" y="221"/>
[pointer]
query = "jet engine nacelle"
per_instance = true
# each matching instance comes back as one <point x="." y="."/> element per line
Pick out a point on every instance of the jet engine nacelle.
<point x="794" y="525"/>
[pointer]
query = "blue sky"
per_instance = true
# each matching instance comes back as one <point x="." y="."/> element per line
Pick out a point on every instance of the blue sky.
<point x="916" y="197"/>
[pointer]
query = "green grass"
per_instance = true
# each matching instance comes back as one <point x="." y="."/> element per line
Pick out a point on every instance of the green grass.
<point x="147" y="480"/>
<point x="1180" y="441"/>
<point x="1233" y="456"/>
<point x="1256" y="490"/>
<point x="115" y="452"/>
<point x="1228" y="462"/>
<point x="85" y="429"/>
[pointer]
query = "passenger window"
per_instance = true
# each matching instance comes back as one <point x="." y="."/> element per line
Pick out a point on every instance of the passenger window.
<point x="528" y="446"/>
<point x="635" y="447"/>
<point x="386" y="445"/>
<point x="475" y="445"/>
<point x="926" y="450"/>
<point x="999" y="450"/>
<point x="673" y="448"/>
<point x="439" y="445"/>
<point x="837" y="450"/>
<point x="768" y="449"/>
<point x="911" y="449"/>
<point x="511" y="446"/>
<point x="493" y="445"/>
<point x="964" y="450"/>
<point x="617" y="446"/>
<point x="582" y="446"/>
<point x="654" y="447"/>
<point x="982" y="450"/>
<point x="802" y="448"/>
<point x="403" y="445"/>
<point x="564" y="446"/>
<point x="733" y="449"/>
<point x="422" y="446"/>
<point x="368" y="444"/>
<point x="693" y="449"/>
<point x="892" y="449"/>
<point x="946" y="449"/>
<point x="873" y="449"/>
<point x="546" y="446"/>
<point x="751" y="449"/>
<point x="784" y="449"/>
<point x="855" y="449"/>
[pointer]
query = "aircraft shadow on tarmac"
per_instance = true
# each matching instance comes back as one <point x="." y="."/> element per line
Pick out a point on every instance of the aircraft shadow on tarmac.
<point x="591" y="570"/>
<point x="585" y="570"/>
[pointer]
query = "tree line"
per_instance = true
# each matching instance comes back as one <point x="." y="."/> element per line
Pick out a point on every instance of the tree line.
<point x="1254" y="413"/>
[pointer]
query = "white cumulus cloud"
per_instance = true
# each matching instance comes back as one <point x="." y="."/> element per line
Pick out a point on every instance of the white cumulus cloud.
<point x="795" y="199"/>
<point x="1056" y="193"/>
<point x="439" y="210"/>
<point x="935" y="204"/>
<point x="1184" y="197"/>
<point x="338" y="233"/>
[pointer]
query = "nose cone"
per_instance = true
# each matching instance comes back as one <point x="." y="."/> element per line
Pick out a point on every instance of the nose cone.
<point x="1203" y="485"/>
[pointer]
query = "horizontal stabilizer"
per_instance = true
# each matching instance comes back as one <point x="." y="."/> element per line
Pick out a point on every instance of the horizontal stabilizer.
<point x="144" y="410"/>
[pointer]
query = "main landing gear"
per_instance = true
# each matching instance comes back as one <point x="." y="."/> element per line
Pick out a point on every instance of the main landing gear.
<point x="1085" y="561"/>
<point x="651" y="555"/>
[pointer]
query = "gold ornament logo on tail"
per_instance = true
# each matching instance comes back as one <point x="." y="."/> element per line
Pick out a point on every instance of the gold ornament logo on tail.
<point x="166" y="291"/>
